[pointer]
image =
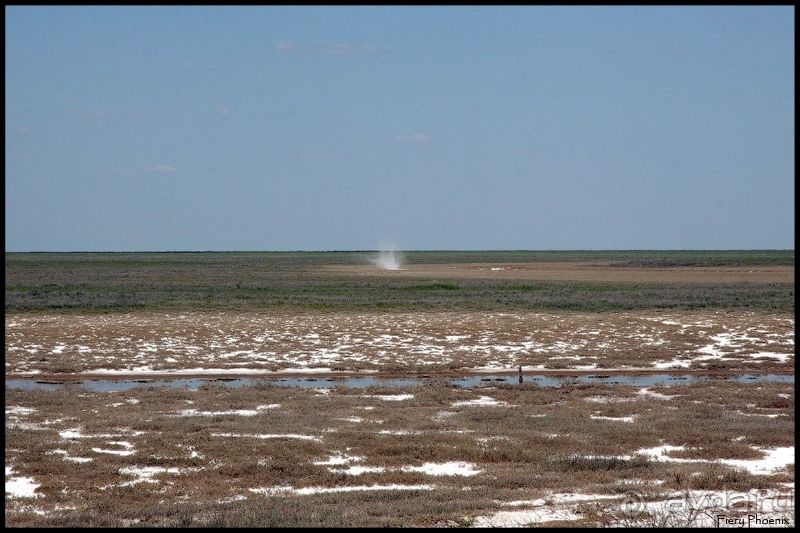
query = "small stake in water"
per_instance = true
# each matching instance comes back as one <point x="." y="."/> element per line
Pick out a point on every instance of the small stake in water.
<point x="520" y="373"/>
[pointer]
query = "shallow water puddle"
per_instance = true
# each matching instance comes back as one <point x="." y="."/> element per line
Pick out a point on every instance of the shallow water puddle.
<point x="110" y="385"/>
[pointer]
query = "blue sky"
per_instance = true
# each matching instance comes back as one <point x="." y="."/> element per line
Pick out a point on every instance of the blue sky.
<point x="147" y="128"/>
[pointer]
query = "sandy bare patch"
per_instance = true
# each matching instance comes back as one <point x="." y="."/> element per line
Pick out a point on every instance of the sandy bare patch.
<point x="577" y="271"/>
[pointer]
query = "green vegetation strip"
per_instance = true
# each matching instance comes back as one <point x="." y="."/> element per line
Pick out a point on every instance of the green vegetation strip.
<point x="102" y="282"/>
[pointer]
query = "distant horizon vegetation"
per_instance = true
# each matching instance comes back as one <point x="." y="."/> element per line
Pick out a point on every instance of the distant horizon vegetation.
<point x="404" y="250"/>
<point x="99" y="282"/>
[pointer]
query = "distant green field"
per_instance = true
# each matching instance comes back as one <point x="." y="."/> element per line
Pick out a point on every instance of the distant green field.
<point x="103" y="282"/>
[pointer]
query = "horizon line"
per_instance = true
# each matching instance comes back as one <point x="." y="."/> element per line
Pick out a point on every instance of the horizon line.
<point x="408" y="250"/>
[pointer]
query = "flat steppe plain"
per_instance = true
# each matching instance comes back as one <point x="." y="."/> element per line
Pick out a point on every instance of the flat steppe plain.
<point x="436" y="454"/>
<point x="594" y="271"/>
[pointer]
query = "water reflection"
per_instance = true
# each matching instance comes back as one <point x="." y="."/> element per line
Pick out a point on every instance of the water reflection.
<point x="110" y="385"/>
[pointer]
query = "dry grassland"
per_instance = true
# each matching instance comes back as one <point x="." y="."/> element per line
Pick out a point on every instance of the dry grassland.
<point x="390" y="342"/>
<point x="265" y="455"/>
<point x="424" y="455"/>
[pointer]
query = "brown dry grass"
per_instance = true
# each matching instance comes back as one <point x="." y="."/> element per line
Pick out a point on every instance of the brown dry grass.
<point x="420" y="342"/>
<point x="521" y="454"/>
<point x="220" y="310"/>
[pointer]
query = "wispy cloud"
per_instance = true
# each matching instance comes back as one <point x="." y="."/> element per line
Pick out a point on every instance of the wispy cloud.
<point x="100" y="114"/>
<point x="93" y="113"/>
<point x="153" y="170"/>
<point x="163" y="169"/>
<point x="683" y="52"/>
<point x="322" y="156"/>
<point x="327" y="48"/>
<point x="413" y="138"/>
